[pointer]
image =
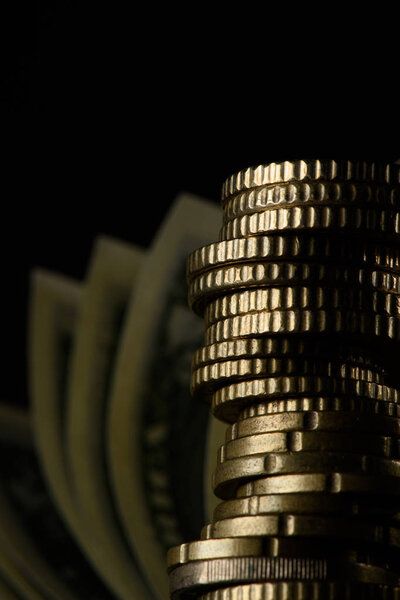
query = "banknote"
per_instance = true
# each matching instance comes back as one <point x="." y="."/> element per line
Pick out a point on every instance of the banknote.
<point x="44" y="487"/>
<point x="109" y="282"/>
<point x="156" y="432"/>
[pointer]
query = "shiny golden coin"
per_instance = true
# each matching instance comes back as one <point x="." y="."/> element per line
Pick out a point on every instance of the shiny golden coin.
<point x="306" y="503"/>
<point x="275" y="247"/>
<point x="321" y="404"/>
<point x="209" y="549"/>
<point x="232" y="473"/>
<point x="208" y="379"/>
<point x="228" y="401"/>
<point x="303" y="193"/>
<point x="287" y="347"/>
<point x="334" y="483"/>
<point x="304" y="321"/>
<point x="314" y="420"/>
<point x="223" y="280"/>
<point x="294" y="590"/>
<point x="309" y="170"/>
<point x="375" y="223"/>
<point x="300" y="298"/>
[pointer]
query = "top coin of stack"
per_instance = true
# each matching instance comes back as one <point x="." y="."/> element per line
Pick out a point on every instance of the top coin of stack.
<point x="301" y="300"/>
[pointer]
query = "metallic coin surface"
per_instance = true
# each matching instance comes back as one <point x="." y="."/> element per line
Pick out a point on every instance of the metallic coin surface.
<point x="304" y="591"/>
<point x="306" y="193"/>
<point x="295" y="298"/>
<point x="314" y="420"/>
<point x="208" y="379"/>
<point x="363" y="222"/>
<point x="276" y="247"/>
<point x="310" y="170"/>
<point x="233" y="278"/>
<point x="231" y="473"/>
<point x="333" y="483"/>
<point x="228" y="401"/>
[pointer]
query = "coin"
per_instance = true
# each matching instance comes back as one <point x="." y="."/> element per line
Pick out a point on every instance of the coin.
<point x="310" y="441"/>
<point x="308" y="526"/>
<point x="211" y="549"/>
<point x="228" y="401"/>
<point x="284" y="346"/>
<point x="377" y="223"/>
<point x="309" y="170"/>
<point x="321" y="404"/>
<point x="231" y="278"/>
<point x="209" y="378"/>
<point x="289" y="298"/>
<point x="333" y="483"/>
<point x="314" y="420"/>
<point x="231" y="473"/>
<point x="304" y="322"/>
<point x="352" y="506"/>
<point x="303" y="193"/>
<point x="293" y="590"/>
<point x="290" y="247"/>
<point x="200" y="575"/>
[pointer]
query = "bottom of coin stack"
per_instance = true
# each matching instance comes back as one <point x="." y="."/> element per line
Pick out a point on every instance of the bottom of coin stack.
<point x="254" y="576"/>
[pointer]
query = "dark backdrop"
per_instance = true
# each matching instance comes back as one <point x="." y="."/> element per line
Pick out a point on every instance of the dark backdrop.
<point x="108" y="115"/>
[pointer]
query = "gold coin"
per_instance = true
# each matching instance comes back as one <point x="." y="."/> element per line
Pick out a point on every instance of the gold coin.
<point x="310" y="441"/>
<point x="275" y="247"/>
<point x="228" y="401"/>
<point x="218" y="282"/>
<point x="208" y="379"/>
<point x="208" y="549"/>
<point x="300" y="298"/>
<point x="294" y="590"/>
<point x="333" y="483"/>
<point x="309" y="170"/>
<point x="303" y="193"/>
<point x="321" y="404"/>
<point x="304" y="321"/>
<point x="377" y="223"/>
<point x="303" y="504"/>
<point x="231" y="473"/>
<point x="307" y="526"/>
<point x="281" y="346"/>
<point x="194" y="577"/>
<point x="314" y="420"/>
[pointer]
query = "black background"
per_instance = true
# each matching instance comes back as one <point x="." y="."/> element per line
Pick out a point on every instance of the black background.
<point x="109" y="113"/>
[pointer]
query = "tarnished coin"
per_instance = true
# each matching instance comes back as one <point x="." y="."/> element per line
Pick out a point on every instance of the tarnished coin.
<point x="208" y="379"/>
<point x="232" y="278"/>
<point x="197" y="576"/>
<point x="315" y="420"/>
<point x="334" y="483"/>
<point x="364" y="222"/>
<point x="310" y="441"/>
<point x="276" y="247"/>
<point x="310" y="170"/>
<point x="308" y="526"/>
<point x="307" y="504"/>
<point x="213" y="548"/>
<point x="303" y="193"/>
<point x="284" y="322"/>
<point x="232" y="473"/>
<point x="296" y="298"/>
<point x="293" y="590"/>
<point x="228" y="401"/>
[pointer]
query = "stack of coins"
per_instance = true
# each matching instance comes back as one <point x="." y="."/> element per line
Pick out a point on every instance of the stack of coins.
<point x="301" y="301"/>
